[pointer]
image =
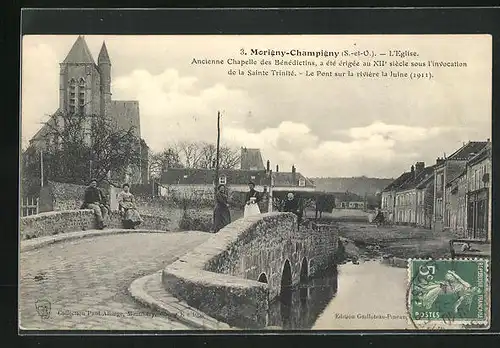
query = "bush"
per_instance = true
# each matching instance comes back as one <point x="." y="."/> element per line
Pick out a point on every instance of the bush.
<point x="196" y="221"/>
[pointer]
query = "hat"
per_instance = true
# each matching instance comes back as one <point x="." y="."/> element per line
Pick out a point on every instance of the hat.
<point x="251" y="183"/>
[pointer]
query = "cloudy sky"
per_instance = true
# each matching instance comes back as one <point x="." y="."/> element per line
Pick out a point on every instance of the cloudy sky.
<point x="325" y="126"/>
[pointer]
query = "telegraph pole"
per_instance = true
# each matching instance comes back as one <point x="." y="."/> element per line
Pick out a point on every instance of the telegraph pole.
<point x="217" y="154"/>
<point x="41" y="168"/>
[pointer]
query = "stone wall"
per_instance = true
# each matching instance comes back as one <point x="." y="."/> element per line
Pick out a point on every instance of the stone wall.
<point x="220" y="277"/>
<point x="51" y="223"/>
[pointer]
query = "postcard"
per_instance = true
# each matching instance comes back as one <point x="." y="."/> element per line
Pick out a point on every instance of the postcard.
<point x="255" y="182"/>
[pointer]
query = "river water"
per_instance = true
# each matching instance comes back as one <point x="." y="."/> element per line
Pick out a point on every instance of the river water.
<point x="368" y="295"/>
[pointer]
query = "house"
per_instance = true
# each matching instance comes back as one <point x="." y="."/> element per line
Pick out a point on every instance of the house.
<point x="201" y="182"/>
<point x="412" y="196"/>
<point x="479" y="195"/>
<point x="389" y="195"/>
<point x="85" y="87"/>
<point x="445" y="171"/>
<point x="291" y="181"/>
<point x="456" y="206"/>
<point x="348" y="200"/>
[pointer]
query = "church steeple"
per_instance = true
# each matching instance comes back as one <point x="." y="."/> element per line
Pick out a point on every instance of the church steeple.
<point x="79" y="53"/>
<point x="104" y="64"/>
<point x="103" y="55"/>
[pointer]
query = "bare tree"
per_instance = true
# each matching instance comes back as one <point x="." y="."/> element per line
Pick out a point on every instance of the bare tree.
<point x="168" y="158"/>
<point x="202" y="155"/>
<point x="189" y="152"/>
<point x="80" y="146"/>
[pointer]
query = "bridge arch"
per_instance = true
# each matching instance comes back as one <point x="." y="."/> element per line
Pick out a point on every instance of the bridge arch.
<point x="286" y="276"/>
<point x="262" y="278"/>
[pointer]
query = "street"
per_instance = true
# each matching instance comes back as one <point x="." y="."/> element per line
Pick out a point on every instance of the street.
<point x="86" y="281"/>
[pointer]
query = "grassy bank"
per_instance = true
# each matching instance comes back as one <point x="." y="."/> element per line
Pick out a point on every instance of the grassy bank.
<point x="398" y="241"/>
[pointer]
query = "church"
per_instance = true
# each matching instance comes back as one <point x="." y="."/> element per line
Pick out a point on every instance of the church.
<point x="85" y="87"/>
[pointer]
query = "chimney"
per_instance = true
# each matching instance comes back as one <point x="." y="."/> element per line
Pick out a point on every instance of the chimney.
<point x="294" y="175"/>
<point x="268" y="166"/>
<point x="412" y="169"/>
<point x="419" y="167"/>
<point x="439" y="161"/>
<point x="277" y="168"/>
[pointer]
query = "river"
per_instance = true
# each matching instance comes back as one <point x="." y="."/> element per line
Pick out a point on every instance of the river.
<point x="368" y="295"/>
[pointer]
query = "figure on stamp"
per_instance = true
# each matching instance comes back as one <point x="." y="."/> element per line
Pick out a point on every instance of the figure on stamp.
<point x="96" y="200"/>
<point x="252" y="199"/>
<point x="452" y="283"/>
<point x="127" y="208"/>
<point x="222" y="216"/>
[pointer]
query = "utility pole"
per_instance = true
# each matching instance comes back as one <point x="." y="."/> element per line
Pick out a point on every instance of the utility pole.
<point x="217" y="154"/>
<point x="41" y="168"/>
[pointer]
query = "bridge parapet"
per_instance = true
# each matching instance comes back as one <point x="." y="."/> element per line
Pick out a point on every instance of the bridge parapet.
<point x="56" y="222"/>
<point x="226" y="276"/>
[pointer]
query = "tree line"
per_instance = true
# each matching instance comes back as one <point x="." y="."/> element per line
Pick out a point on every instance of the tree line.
<point x="193" y="154"/>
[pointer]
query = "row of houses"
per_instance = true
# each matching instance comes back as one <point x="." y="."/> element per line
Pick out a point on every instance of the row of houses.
<point x="200" y="182"/>
<point x="453" y="194"/>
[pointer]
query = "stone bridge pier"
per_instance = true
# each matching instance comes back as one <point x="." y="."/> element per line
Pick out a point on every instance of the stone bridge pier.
<point x="236" y="273"/>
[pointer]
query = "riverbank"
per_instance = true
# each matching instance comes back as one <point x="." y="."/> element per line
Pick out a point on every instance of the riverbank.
<point x="369" y="241"/>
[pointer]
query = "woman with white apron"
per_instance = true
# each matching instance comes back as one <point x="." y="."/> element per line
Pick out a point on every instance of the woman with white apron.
<point x="251" y="201"/>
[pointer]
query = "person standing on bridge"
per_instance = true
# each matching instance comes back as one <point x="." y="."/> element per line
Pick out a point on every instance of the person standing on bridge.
<point x="222" y="216"/>
<point x="292" y="205"/>
<point x="252" y="199"/>
<point x="96" y="200"/>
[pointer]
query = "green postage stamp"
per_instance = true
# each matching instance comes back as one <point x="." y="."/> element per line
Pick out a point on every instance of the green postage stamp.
<point x="448" y="293"/>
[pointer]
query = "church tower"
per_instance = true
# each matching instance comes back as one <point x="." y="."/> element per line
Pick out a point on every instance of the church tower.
<point x="79" y="81"/>
<point x="104" y="64"/>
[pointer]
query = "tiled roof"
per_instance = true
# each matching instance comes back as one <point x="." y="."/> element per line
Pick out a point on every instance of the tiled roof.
<point x="251" y="159"/>
<point x="286" y="179"/>
<point x="79" y="53"/>
<point x="472" y="147"/>
<point x="347" y="197"/>
<point x="484" y="153"/>
<point x="398" y="182"/>
<point x="425" y="181"/>
<point x="453" y="180"/>
<point x="413" y="181"/>
<point x="190" y="176"/>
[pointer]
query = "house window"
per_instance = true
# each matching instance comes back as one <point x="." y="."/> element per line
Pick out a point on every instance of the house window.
<point x="302" y="182"/>
<point x="222" y="180"/>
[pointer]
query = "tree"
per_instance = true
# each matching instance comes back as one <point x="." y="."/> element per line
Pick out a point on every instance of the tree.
<point x="165" y="159"/>
<point x="198" y="155"/>
<point x="81" y="146"/>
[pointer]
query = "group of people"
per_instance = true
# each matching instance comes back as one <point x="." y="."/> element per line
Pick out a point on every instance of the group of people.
<point x="95" y="199"/>
<point x="222" y="215"/>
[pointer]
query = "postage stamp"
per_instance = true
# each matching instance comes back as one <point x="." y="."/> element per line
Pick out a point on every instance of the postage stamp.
<point x="453" y="292"/>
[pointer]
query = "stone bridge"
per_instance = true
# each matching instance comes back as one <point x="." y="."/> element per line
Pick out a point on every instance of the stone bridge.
<point x="236" y="273"/>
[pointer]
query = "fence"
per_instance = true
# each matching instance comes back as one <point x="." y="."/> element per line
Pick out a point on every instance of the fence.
<point x="29" y="206"/>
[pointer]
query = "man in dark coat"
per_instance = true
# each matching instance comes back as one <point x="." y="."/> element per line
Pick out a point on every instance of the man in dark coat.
<point x="96" y="200"/>
<point x="292" y="205"/>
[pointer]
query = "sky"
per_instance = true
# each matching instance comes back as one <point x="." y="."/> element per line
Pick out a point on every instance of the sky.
<point x="325" y="126"/>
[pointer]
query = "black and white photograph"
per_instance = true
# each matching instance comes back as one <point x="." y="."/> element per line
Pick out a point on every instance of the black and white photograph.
<point x="255" y="182"/>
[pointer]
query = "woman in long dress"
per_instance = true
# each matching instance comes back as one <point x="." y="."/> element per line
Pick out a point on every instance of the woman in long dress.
<point x="127" y="208"/>
<point x="251" y="201"/>
<point x="222" y="216"/>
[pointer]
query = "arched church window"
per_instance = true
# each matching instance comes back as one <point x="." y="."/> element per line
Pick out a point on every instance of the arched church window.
<point x="81" y="93"/>
<point x="72" y="95"/>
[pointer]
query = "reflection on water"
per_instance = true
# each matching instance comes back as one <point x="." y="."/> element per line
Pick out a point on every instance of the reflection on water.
<point x="298" y="309"/>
